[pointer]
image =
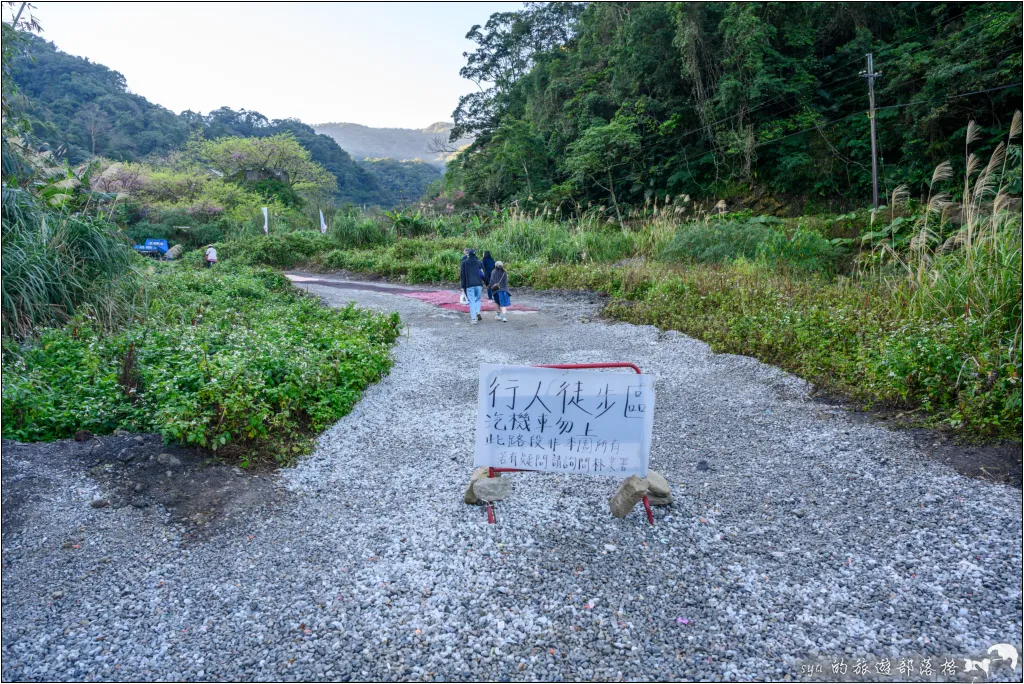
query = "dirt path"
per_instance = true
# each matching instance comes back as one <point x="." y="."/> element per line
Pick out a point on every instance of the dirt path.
<point x="799" y="535"/>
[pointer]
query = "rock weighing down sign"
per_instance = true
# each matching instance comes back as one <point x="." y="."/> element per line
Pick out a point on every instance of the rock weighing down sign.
<point x="564" y="421"/>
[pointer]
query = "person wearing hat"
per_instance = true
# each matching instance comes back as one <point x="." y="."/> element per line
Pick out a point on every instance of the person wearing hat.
<point x="211" y="255"/>
<point x="471" y="278"/>
<point x="499" y="286"/>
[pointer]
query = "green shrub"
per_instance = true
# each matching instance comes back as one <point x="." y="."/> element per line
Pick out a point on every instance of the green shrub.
<point x="227" y="358"/>
<point x="282" y="250"/>
<point x="357" y="231"/>
<point x="719" y="242"/>
<point x="803" y="250"/>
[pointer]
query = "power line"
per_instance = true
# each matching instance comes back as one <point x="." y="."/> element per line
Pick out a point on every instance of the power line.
<point x="780" y="98"/>
<point x="952" y="97"/>
<point x="896" y="106"/>
<point x="813" y="128"/>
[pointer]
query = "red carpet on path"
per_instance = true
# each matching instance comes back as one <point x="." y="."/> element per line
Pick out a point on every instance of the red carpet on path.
<point x="450" y="300"/>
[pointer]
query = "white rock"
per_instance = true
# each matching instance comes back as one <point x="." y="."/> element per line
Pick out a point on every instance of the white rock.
<point x="492" y="488"/>
<point x="470" y="496"/>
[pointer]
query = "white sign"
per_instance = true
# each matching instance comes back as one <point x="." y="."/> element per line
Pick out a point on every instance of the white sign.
<point x="266" y="224"/>
<point x="564" y="421"/>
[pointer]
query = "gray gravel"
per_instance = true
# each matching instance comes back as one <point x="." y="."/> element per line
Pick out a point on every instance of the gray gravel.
<point x="797" y="534"/>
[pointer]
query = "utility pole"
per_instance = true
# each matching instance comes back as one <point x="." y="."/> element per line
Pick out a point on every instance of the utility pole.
<point x="871" y="76"/>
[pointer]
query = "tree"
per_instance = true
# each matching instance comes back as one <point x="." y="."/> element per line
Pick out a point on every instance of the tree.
<point x="94" y="122"/>
<point x="602" y="150"/>
<point x="278" y="158"/>
<point x="507" y="44"/>
<point x="226" y="121"/>
<point x="441" y="145"/>
<point x="121" y="177"/>
<point x="729" y="99"/>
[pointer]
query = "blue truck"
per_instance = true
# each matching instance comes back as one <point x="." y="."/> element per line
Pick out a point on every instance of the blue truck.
<point x="152" y="247"/>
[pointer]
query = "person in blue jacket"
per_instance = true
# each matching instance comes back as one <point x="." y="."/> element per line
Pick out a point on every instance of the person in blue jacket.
<point x="488" y="263"/>
<point x="471" y="278"/>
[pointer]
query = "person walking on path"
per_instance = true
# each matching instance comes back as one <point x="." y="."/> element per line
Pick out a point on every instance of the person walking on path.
<point x="499" y="286"/>
<point x="488" y="263"/>
<point x="471" y="278"/>
<point x="211" y="255"/>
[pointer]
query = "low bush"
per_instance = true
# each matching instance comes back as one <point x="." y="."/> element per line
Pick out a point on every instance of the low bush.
<point x="753" y="240"/>
<point x="846" y="336"/>
<point x="232" y="358"/>
<point x="282" y="250"/>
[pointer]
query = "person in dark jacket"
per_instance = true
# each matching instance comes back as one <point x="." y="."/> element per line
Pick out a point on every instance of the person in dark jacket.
<point x="488" y="263"/>
<point x="499" y="286"/>
<point x="471" y="278"/>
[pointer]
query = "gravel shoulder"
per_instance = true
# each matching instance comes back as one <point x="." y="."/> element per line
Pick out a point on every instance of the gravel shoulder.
<point x="798" y="534"/>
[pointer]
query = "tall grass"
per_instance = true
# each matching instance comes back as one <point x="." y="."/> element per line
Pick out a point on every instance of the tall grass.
<point x="727" y="242"/>
<point x="527" y="238"/>
<point x="55" y="265"/>
<point x="974" y="269"/>
<point x="354" y="231"/>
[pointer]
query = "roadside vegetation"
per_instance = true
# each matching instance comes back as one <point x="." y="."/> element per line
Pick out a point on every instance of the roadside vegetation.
<point x="916" y="308"/>
<point x="98" y="338"/>
<point x="233" y="359"/>
<point x="681" y="216"/>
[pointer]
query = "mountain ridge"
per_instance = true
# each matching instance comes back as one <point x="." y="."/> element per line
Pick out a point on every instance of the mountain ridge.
<point x="429" y="144"/>
<point x="85" y="110"/>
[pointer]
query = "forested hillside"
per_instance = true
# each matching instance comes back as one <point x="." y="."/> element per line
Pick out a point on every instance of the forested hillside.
<point x="431" y="144"/>
<point x="85" y="110"/>
<point x="625" y="103"/>
<point x="400" y="182"/>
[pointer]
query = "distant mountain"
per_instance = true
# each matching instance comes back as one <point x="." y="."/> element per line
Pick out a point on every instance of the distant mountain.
<point x="364" y="142"/>
<point x="85" y="109"/>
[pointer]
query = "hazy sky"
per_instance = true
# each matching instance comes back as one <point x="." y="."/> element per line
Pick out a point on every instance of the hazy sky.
<point x="379" y="64"/>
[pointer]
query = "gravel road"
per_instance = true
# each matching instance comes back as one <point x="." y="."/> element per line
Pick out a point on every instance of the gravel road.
<point x="797" y="536"/>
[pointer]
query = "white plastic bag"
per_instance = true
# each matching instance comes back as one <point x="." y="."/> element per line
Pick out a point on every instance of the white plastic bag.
<point x="462" y="299"/>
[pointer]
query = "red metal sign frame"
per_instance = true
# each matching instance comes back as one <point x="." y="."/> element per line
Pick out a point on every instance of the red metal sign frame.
<point x="614" y="364"/>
